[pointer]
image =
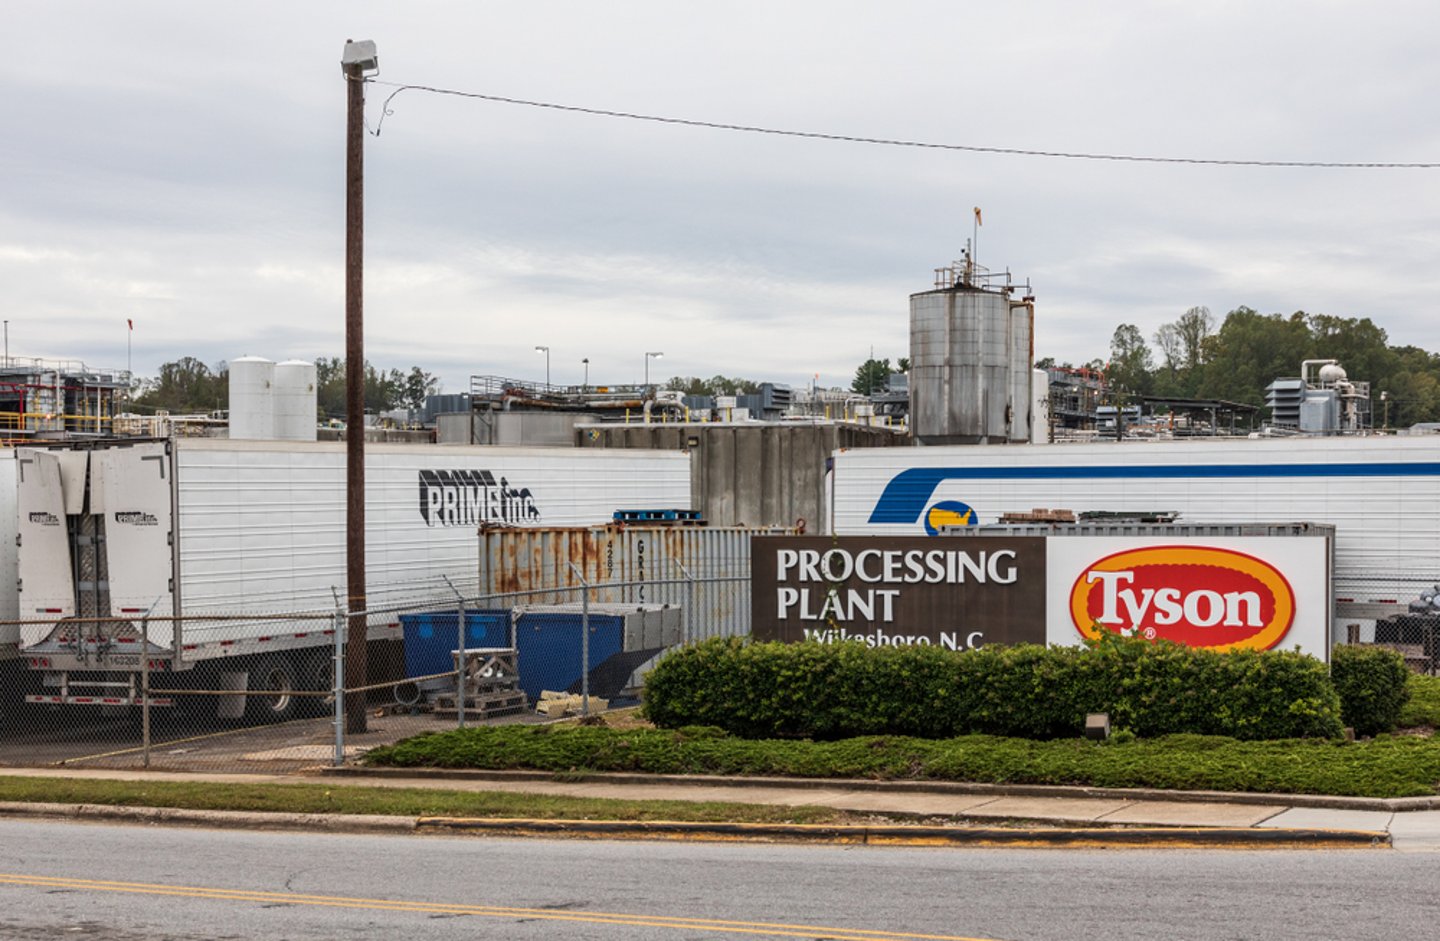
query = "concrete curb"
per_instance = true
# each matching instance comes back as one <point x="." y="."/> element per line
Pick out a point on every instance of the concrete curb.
<point x="1317" y="801"/>
<point x="714" y="832"/>
<point x="222" y="819"/>
<point x="913" y="835"/>
<point x="1172" y="837"/>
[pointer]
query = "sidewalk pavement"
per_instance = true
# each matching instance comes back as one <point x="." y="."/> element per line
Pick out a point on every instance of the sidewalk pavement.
<point x="1087" y="814"/>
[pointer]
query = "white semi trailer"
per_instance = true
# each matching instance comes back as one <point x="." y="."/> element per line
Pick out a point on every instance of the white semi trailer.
<point x="1382" y="494"/>
<point x="9" y="597"/>
<point x="216" y="547"/>
<point x="10" y="671"/>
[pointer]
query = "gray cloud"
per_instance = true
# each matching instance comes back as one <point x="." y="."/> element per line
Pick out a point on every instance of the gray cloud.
<point x="182" y="166"/>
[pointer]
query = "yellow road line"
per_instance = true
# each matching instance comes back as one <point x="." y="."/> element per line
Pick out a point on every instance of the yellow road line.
<point x="771" y="929"/>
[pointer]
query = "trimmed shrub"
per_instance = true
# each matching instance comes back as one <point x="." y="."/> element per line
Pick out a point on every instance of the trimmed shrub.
<point x="1373" y="687"/>
<point x="832" y="691"/>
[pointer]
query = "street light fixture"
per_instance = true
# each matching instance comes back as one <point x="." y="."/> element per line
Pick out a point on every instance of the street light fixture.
<point x="546" y="351"/>
<point x="359" y="58"/>
<point x="648" y="357"/>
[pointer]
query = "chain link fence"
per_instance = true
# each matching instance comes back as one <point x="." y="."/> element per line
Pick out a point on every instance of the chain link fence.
<point x="1393" y="608"/>
<point x="279" y="691"/>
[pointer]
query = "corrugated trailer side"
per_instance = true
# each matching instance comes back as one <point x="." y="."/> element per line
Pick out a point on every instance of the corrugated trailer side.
<point x="244" y="543"/>
<point x="1382" y="494"/>
<point x="278" y="509"/>
<point x="703" y="570"/>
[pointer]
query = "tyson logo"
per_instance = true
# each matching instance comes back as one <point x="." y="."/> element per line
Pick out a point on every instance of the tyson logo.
<point x="1200" y="596"/>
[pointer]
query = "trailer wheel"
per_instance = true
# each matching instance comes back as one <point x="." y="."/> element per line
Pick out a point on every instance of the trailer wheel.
<point x="319" y="677"/>
<point x="275" y="675"/>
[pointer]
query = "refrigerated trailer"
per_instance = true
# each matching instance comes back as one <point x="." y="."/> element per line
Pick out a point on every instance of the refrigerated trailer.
<point x="9" y="598"/>
<point x="1381" y="493"/>
<point x="11" y="681"/>
<point x="226" y="555"/>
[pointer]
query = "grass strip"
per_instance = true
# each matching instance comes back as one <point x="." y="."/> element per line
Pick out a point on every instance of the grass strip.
<point x="403" y="802"/>
<point x="1387" y="766"/>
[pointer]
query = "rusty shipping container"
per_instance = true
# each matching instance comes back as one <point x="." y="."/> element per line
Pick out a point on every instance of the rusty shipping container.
<point x="704" y="571"/>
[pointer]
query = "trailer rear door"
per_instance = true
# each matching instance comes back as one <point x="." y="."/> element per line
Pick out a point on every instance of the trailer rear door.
<point x="131" y="487"/>
<point x="46" y="575"/>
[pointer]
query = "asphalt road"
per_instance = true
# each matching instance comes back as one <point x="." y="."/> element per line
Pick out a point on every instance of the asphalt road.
<point x="126" y="883"/>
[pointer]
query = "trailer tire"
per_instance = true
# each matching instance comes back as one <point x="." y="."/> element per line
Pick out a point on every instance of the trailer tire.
<point x="318" y="676"/>
<point x="277" y="674"/>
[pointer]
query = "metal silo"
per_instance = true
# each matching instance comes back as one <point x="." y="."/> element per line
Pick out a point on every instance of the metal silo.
<point x="252" y="413"/>
<point x="294" y="400"/>
<point x="971" y="348"/>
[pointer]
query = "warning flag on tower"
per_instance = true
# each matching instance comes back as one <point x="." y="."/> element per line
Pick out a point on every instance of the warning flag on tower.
<point x="978" y="221"/>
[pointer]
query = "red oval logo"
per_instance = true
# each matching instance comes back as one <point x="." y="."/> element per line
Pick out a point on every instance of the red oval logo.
<point x="1200" y="596"/>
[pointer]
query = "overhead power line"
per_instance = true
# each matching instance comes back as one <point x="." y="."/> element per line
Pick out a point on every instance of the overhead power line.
<point x="893" y="142"/>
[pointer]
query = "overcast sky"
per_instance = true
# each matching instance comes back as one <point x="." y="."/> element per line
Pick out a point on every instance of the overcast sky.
<point x="182" y="165"/>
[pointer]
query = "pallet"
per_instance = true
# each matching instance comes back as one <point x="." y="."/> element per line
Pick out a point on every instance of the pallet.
<point x="1039" y="515"/>
<point x="693" y="517"/>
<point x="553" y="705"/>
<point x="481" y="707"/>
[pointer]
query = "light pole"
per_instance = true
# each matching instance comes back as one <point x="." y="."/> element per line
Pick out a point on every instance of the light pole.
<point x="586" y="361"/>
<point x="1385" y="401"/>
<point x="648" y="357"/>
<point x="358" y="63"/>
<point x="546" y="351"/>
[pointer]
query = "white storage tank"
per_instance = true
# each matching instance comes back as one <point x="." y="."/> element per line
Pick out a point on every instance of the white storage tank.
<point x="295" y="400"/>
<point x="252" y="412"/>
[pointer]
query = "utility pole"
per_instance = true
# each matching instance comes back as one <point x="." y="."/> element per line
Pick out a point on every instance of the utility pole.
<point x="358" y="62"/>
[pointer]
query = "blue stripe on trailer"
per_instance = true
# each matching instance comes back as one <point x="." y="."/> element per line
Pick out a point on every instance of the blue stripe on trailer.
<point x="909" y="491"/>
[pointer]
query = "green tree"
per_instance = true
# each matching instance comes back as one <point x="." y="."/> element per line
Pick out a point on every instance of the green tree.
<point x="385" y="390"/>
<point x="418" y="386"/>
<point x="186" y="385"/>
<point x="1193" y="329"/>
<point x="382" y="388"/>
<point x="1250" y="350"/>
<point x="872" y="376"/>
<point x="330" y="387"/>
<point x="1130" y="360"/>
<point x="715" y="385"/>
<point x="1357" y="343"/>
<point x="1411" y="390"/>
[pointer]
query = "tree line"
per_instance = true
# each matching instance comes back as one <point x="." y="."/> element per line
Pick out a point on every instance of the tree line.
<point x="188" y="385"/>
<point x="1192" y="357"/>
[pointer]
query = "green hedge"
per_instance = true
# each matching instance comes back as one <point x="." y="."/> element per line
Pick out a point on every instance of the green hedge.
<point x="1372" y="683"/>
<point x="1388" y="766"/>
<point x="834" y="691"/>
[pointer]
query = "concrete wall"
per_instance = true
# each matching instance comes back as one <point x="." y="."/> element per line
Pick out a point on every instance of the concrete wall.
<point x="527" y="429"/>
<point x="754" y="474"/>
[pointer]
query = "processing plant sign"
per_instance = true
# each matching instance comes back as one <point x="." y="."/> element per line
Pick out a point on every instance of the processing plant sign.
<point x="1218" y="597"/>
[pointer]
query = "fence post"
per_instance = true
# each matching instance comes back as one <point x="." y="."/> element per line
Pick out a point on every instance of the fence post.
<point x="584" y="642"/>
<point x="342" y="620"/>
<point x="690" y="594"/>
<point x="460" y="657"/>
<point x="145" y="689"/>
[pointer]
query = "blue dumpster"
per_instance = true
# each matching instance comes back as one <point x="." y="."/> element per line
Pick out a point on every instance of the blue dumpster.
<point x="431" y="635"/>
